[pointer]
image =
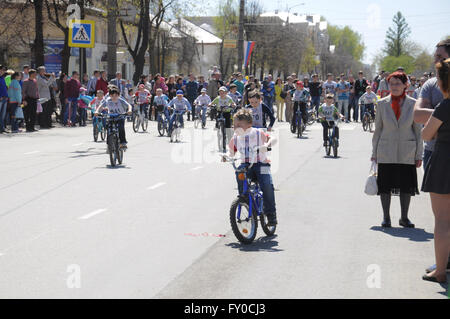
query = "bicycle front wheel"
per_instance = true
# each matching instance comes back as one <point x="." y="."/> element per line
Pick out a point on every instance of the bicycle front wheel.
<point x="103" y="133"/>
<point x="335" y="147"/>
<point x="145" y="124"/>
<point x="112" y="150"/>
<point x="95" y="132"/>
<point x="136" y="123"/>
<point x="243" y="225"/>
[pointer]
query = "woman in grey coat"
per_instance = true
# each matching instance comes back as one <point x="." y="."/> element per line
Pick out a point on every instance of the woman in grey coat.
<point x="397" y="148"/>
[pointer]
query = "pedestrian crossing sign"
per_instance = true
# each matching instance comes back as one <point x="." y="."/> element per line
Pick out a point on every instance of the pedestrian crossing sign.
<point x="82" y="34"/>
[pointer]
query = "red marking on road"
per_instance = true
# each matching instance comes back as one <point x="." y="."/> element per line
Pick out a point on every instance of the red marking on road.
<point x="204" y="235"/>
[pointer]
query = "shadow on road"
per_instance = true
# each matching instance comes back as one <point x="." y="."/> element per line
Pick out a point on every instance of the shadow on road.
<point x="413" y="234"/>
<point x="261" y="244"/>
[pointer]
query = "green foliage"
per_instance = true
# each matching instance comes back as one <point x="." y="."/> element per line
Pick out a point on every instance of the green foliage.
<point x="391" y="63"/>
<point x="308" y="61"/>
<point x="347" y="41"/>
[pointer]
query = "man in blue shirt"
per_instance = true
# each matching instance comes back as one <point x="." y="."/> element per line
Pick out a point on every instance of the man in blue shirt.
<point x="191" y="94"/>
<point x="268" y="91"/>
<point x="343" y="89"/>
<point x="3" y="98"/>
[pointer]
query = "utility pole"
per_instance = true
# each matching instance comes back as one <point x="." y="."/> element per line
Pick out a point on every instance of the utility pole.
<point x="241" y="35"/>
<point x="112" y="38"/>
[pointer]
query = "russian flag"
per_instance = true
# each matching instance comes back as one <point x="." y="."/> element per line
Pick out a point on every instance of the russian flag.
<point x="248" y="46"/>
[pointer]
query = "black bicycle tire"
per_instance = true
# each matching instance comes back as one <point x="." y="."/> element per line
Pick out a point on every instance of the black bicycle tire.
<point x="233" y="221"/>
<point x="95" y="133"/>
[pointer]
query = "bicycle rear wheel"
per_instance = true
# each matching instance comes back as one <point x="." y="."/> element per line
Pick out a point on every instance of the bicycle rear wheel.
<point x="244" y="226"/>
<point x="299" y="129"/>
<point x="268" y="230"/>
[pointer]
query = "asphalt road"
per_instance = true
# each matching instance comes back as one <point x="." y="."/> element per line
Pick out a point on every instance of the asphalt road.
<point x="158" y="226"/>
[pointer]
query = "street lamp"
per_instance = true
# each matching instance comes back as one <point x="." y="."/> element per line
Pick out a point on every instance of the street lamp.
<point x="289" y="11"/>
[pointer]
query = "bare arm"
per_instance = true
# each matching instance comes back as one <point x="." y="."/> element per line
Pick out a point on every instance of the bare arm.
<point x="430" y="130"/>
<point x="422" y="111"/>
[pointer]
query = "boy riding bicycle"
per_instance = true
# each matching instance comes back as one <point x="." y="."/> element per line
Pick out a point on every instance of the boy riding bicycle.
<point x="252" y="144"/>
<point x="181" y="105"/>
<point x="114" y="104"/>
<point x="202" y="102"/>
<point x="367" y="102"/>
<point x="328" y="112"/>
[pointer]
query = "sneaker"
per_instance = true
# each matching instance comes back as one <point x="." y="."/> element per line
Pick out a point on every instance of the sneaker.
<point x="272" y="219"/>
<point x="433" y="267"/>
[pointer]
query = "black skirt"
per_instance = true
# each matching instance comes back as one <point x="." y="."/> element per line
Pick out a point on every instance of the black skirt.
<point x="437" y="175"/>
<point x="397" y="178"/>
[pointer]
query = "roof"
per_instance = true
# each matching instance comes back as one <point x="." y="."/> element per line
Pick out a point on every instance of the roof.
<point x="200" y="34"/>
<point x="310" y="19"/>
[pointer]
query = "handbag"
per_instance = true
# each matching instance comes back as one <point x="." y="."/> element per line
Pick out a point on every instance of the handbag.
<point x="371" y="182"/>
<point x="18" y="113"/>
<point x="283" y="94"/>
<point x="39" y="107"/>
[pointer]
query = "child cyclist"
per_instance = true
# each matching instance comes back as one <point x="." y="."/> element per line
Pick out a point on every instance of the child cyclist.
<point x="95" y="103"/>
<point x="181" y="105"/>
<point x="328" y="112"/>
<point x="143" y="97"/>
<point x="252" y="143"/>
<point x="368" y="101"/>
<point x="202" y="101"/>
<point x="160" y="104"/>
<point x="114" y="104"/>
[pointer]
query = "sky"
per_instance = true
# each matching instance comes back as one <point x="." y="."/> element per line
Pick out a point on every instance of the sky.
<point x="429" y="20"/>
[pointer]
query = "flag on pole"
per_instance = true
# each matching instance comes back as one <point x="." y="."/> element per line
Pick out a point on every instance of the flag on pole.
<point x="248" y="49"/>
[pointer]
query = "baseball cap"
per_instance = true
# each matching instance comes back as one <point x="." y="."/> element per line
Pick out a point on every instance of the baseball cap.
<point x="222" y="88"/>
<point x="204" y="90"/>
<point x="180" y="92"/>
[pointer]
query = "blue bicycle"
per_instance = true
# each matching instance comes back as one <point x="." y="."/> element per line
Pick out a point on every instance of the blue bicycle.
<point x="246" y="209"/>
<point x="98" y="128"/>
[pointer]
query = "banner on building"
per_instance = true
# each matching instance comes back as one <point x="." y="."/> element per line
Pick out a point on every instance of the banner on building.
<point x="52" y="55"/>
<point x="248" y="49"/>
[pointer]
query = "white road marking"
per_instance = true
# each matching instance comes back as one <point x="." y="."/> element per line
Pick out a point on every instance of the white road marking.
<point x="156" y="186"/>
<point x="196" y="168"/>
<point x="78" y="144"/>
<point x="29" y="153"/>
<point x="96" y="212"/>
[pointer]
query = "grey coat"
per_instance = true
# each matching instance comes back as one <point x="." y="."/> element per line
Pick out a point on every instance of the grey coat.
<point x="396" y="142"/>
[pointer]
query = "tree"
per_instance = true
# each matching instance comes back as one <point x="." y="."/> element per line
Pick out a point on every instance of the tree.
<point x="38" y="45"/>
<point x="423" y="63"/>
<point x="142" y="39"/>
<point x="391" y="63"/>
<point x="397" y="35"/>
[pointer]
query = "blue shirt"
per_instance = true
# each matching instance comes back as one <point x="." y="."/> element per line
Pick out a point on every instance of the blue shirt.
<point x="3" y="87"/>
<point x="15" y="92"/>
<point x="180" y="105"/>
<point x="343" y="86"/>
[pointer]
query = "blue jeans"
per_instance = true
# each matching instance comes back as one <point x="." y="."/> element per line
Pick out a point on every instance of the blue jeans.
<point x="262" y="173"/>
<point x="426" y="158"/>
<point x="370" y="108"/>
<point x="73" y="106"/>
<point x="203" y="110"/>
<point x="268" y="100"/>
<point x="172" y="119"/>
<point x="315" y="102"/>
<point x="3" y="106"/>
